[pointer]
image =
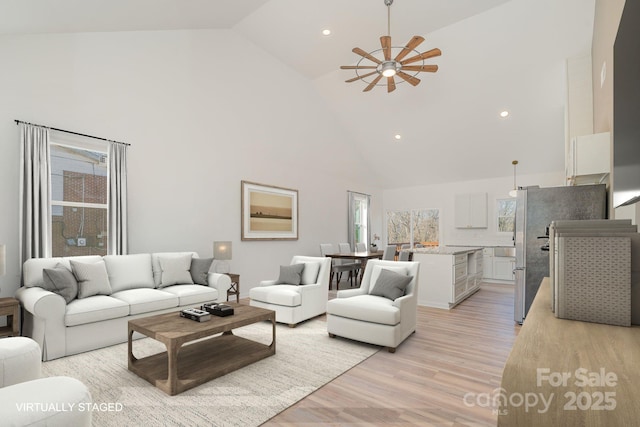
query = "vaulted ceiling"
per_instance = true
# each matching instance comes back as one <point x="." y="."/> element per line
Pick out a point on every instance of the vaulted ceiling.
<point x="497" y="55"/>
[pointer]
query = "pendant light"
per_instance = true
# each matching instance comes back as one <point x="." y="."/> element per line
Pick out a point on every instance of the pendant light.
<point x="514" y="192"/>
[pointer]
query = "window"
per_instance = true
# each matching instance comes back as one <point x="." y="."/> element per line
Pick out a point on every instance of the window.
<point x="416" y="226"/>
<point x="78" y="200"/>
<point x="506" y="213"/>
<point x="359" y="218"/>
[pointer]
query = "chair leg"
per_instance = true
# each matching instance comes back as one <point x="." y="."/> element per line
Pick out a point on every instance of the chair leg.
<point x="391" y="349"/>
<point x="330" y="279"/>
<point x="292" y="325"/>
<point x="332" y="335"/>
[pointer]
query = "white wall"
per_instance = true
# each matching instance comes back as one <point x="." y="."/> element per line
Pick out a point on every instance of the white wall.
<point x="442" y="196"/>
<point x="203" y="110"/>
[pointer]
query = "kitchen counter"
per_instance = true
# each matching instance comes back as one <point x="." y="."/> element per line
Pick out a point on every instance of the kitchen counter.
<point x="579" y="373"/>
<point x="446" y="250"/>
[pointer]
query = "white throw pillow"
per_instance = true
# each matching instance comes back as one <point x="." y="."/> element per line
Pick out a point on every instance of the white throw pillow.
<point x="92" y="278"/>
<point x="310" y="273"/>
<point x="175" y="270"/>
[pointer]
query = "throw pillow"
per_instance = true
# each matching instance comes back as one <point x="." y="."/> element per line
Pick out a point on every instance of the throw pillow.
<point x="175" y="270"/>
<point x="310" y="273"/>
<point x="60" y="280"/>
<point x="390" y="284"/>
<point x="92" y="278"/>
<point x="200" y="270"/>
<point x="290" y="274"/>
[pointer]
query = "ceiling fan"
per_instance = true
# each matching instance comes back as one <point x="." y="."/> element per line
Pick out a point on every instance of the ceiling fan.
<point x="387" y="67"/>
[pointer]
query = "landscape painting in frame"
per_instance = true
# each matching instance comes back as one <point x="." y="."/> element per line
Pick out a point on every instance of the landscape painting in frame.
<point x="269" y="213"/>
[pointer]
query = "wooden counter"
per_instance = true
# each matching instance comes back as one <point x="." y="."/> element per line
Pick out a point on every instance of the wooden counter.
<point x="600" y="364"/>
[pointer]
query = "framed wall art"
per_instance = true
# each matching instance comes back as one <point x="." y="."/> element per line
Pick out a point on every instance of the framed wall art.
<point x="268" y="212"/>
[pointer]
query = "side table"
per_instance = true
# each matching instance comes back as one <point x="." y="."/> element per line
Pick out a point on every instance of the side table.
<point x="10" y="307"/>
<point x="235" y="286"/>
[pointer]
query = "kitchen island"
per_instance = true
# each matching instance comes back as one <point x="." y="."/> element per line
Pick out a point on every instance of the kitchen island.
<point x="448" y="274"/>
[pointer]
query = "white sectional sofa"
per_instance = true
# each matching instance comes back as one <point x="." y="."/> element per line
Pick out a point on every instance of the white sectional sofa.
<point x="139" y="285"/>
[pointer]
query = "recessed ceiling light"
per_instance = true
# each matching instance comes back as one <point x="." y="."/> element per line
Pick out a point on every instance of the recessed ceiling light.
<point x="398" y="136"/>
<point x="504" y="114"/>
<point x="326" y="32"/>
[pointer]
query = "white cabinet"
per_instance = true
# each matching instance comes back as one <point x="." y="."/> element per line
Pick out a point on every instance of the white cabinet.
<point x="498" y="266"/>
<point x="447" y="279"/>
<point x="471" y="210"/>
<point x="589" y="159"/>
<point x="503" y="268"/>
<point x="487" y="263"/>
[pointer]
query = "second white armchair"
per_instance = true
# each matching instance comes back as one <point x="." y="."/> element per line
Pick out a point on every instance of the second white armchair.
<point x="296" y="295"/>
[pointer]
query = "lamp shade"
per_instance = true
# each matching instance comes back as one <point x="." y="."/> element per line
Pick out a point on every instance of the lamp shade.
<point x="222" y="251"/>
<point x="3" y="260"/>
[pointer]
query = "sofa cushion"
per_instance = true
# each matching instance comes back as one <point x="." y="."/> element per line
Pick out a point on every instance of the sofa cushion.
<point x="368" y="308"/>
<point x="287" y="295"/>
<point x="192" y="294"/>
<point x="145" y="300"/>
<point x="129" y="271"/>
<point x="94" y="309"/>
<point x="200" y="270"/>
<point x="290" y="274"/>
<point x="155" y="263"/>
<point x="60" y="280"/>
<point x="92" y="278"/>
<point x="310" y="273"/>
<point x="390" y="284"/>
<point x="32" y="268"/>
<point x="175" y="270"/>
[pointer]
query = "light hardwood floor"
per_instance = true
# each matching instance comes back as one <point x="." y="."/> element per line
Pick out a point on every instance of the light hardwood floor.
<point x="425" y="381"/>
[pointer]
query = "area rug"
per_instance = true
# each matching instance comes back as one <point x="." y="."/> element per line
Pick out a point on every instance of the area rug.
<point x="306" y="359"/>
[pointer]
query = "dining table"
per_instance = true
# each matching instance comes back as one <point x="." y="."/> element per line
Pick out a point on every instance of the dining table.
<point x="363" y="257"/>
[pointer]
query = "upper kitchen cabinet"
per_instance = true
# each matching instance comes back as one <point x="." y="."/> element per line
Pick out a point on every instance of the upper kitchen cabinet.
<point x="589" y="159"/>
<point x="471" y="210"/>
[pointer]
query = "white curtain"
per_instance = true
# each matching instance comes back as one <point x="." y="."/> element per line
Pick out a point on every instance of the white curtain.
<point x="35" y="192"/>
<point x="117" y="199"/>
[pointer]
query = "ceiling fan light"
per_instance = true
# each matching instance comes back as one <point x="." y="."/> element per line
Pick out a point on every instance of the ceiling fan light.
<point x="388" y="69"/>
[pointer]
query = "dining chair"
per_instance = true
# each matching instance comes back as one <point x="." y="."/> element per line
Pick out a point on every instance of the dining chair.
<point x="361" y="247"/>
<point x="389" y="253"/>
<point x="337" y="265"/>
<point x="354" y="266"/>
<point x="405" y="255"/>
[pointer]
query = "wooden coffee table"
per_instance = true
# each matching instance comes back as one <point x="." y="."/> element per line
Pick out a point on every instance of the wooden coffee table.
<point x="183" y="367"/>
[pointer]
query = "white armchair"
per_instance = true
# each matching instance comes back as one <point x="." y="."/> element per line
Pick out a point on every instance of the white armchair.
<point x="27" y="399"/>
<point x="295" y="303"/>
<point x="379" y="320"/>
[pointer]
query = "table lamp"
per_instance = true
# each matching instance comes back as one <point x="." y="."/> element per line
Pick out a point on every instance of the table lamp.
<point x="222" y="253"/>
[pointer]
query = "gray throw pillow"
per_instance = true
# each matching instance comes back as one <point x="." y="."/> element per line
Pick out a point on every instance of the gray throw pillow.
<point x="92" y="278"/>
<point x="290" y="274"/>
<point x="390" y="284"/>
<point x="60" y="280"/>
<point x="200" y="270"/>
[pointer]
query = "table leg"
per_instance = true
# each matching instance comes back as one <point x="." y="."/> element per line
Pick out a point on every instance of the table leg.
<point x="172" y="367"/>
<point x="131" y="357"/>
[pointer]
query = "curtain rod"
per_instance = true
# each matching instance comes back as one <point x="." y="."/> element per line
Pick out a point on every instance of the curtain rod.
<point x="73" y="133"/>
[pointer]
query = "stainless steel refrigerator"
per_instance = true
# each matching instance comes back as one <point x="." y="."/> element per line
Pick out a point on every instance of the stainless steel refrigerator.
<point x="535" y="209"/>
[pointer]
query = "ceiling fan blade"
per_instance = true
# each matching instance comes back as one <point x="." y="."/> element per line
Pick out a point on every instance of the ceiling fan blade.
<point x="356" y="67"/>
<point x="427" y="68"/>
<point x="391" y="84"/>
<point x="413" y="43"/>
<point x="424" y="55"/>
<point x="409" y="79"/>
<point x="385" y="41"/>
<point x="360" y="77"/>
<point x="361" y="52"/>
<point x="373" y="83"/>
